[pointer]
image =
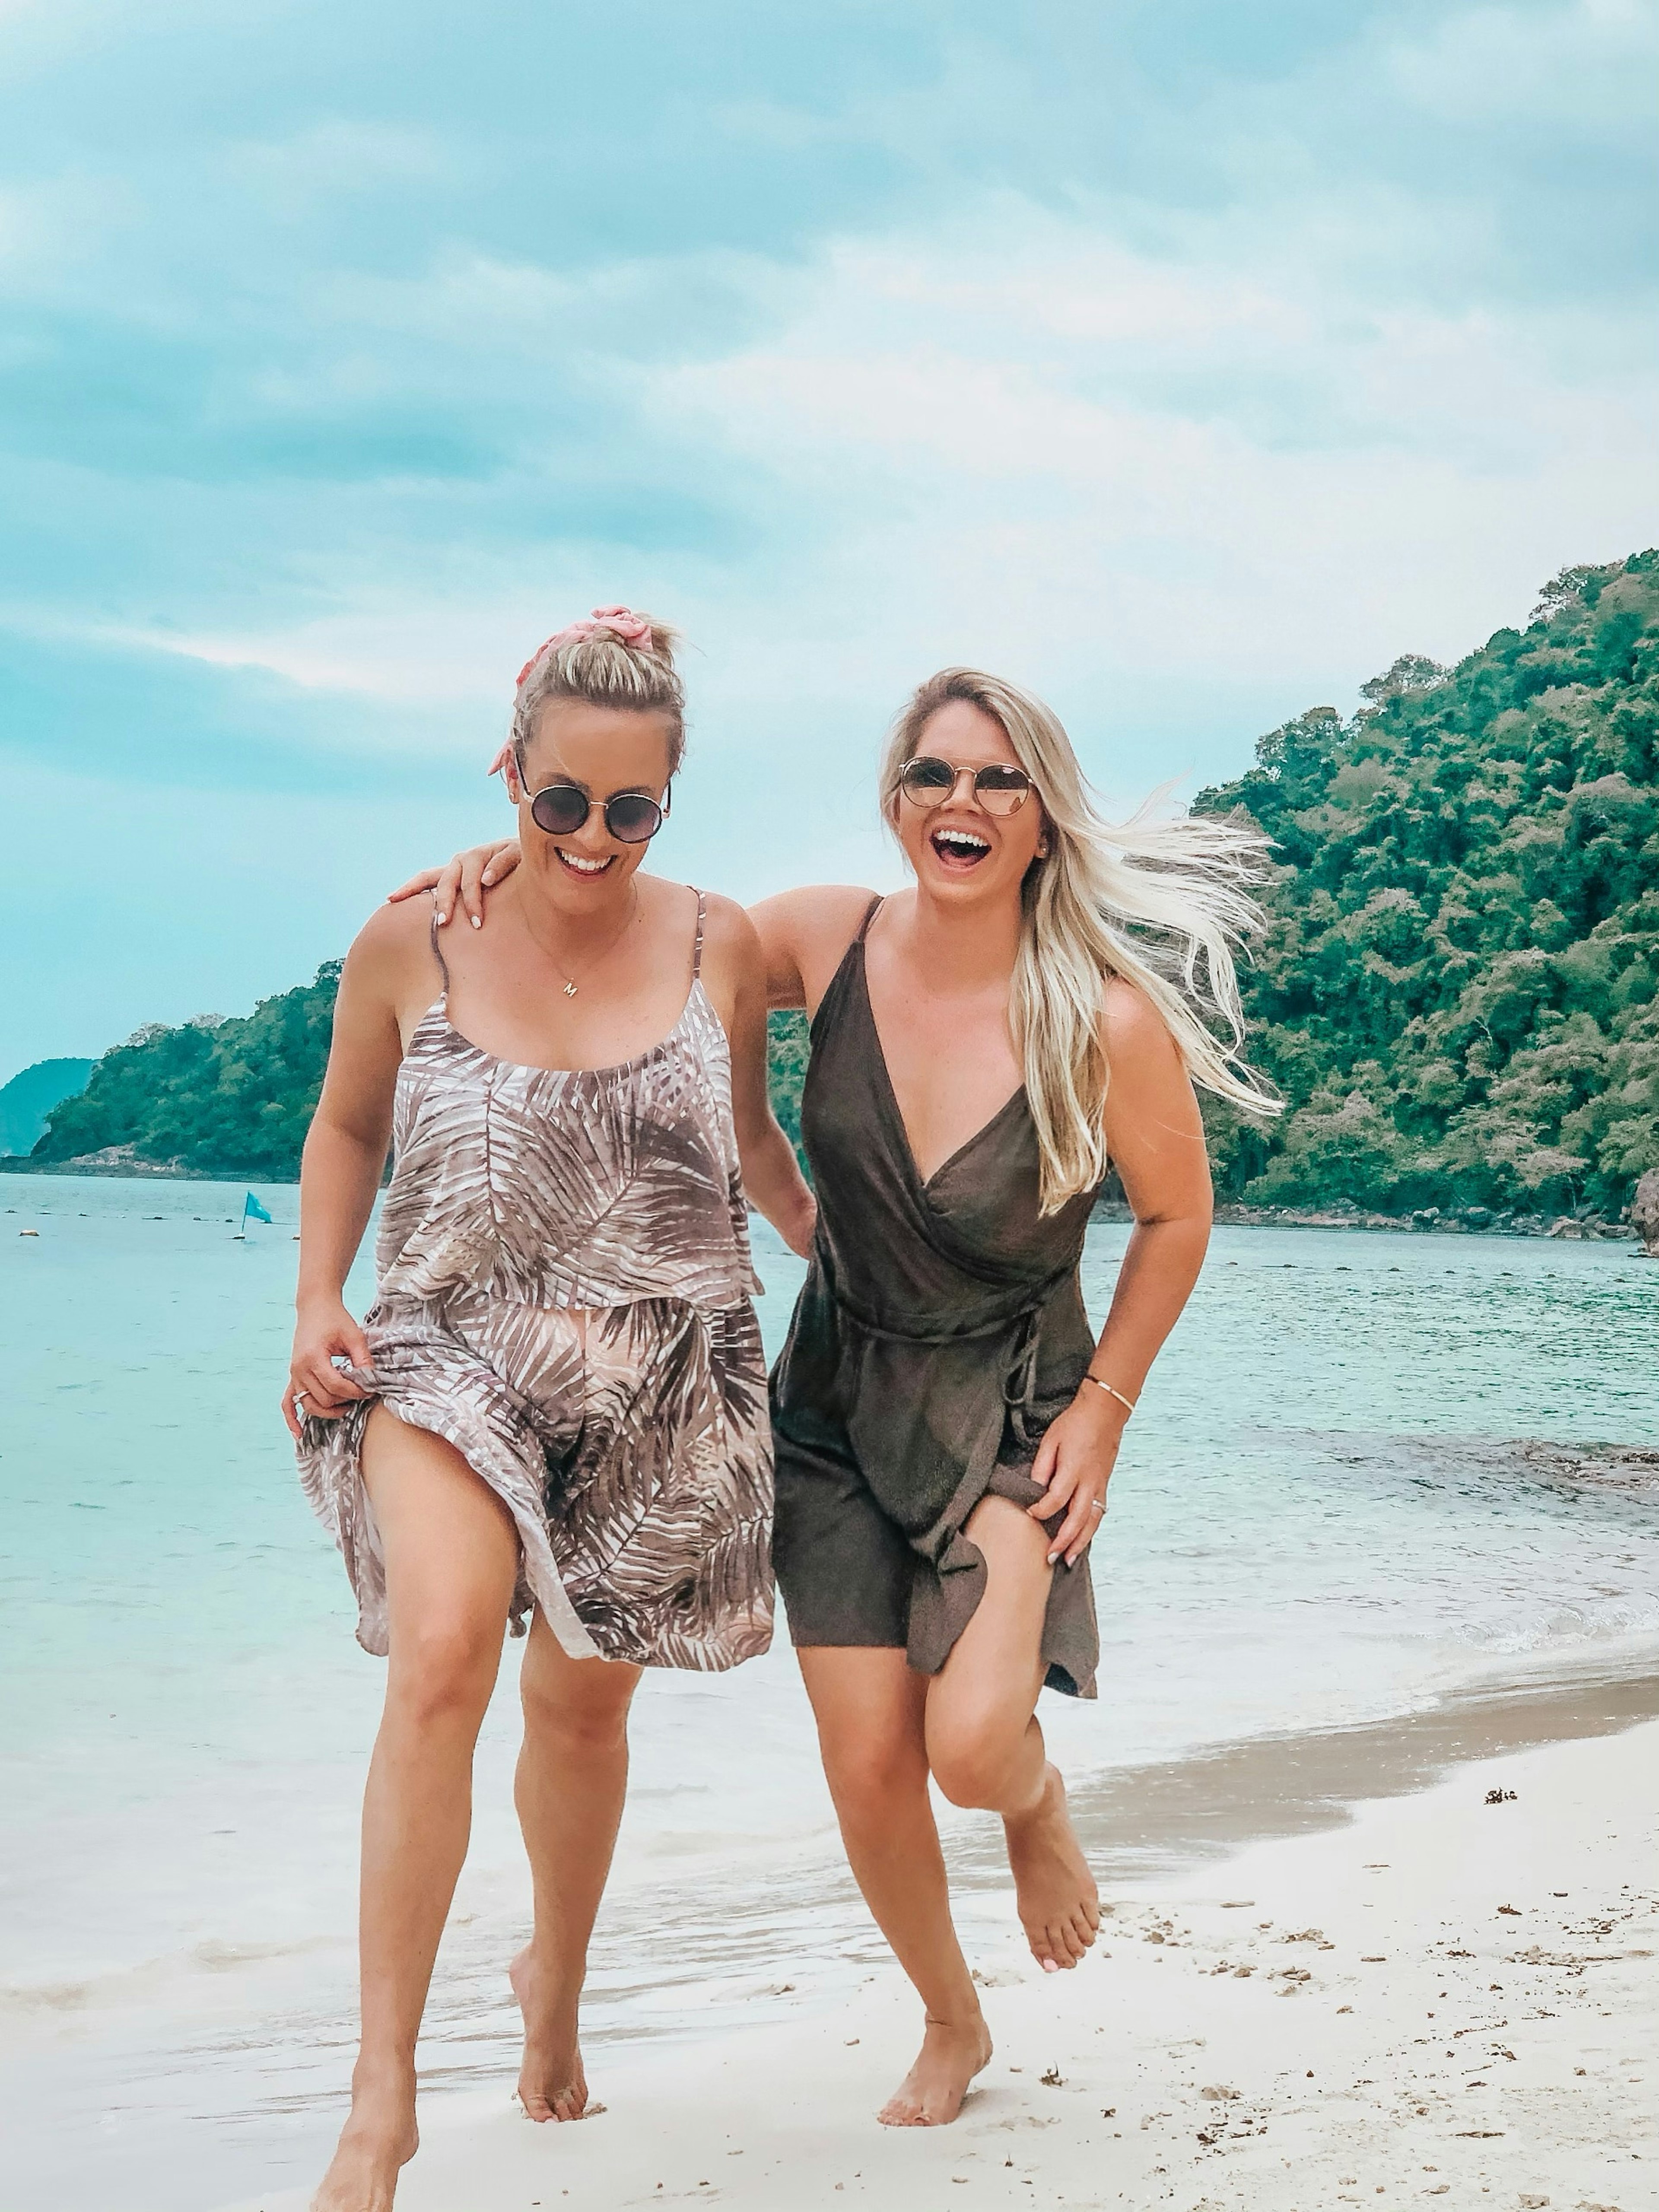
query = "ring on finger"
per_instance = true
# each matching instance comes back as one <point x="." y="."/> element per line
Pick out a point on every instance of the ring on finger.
<point x="1095" y="1505"/>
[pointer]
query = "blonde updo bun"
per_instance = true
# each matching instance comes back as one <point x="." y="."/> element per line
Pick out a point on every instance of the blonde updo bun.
<point x="592" y="662"/>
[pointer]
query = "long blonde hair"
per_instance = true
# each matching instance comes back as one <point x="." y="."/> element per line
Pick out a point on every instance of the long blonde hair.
<point x="1156" y="902"/>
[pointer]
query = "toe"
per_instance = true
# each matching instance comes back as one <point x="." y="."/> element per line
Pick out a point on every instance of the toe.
<point x="1061" y="1946"/>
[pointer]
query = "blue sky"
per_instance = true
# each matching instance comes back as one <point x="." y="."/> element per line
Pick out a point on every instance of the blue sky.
<point x="1187" y="361"/>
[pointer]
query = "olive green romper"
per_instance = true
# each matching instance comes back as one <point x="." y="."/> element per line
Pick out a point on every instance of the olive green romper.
<point x="940" y="1329"/>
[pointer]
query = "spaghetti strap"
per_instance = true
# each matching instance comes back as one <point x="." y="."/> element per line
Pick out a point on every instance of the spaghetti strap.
<point x="696" y="949"/>
<point x="443" y="965"/>
<point x="870" y="914"/>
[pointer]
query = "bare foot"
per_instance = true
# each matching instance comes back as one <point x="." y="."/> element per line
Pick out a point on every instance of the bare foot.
<point x="376" y="2142"/>
<point x="551" y="2083"/>
<point x="931" y="2094"/>
<point x="1059" y="1904"/>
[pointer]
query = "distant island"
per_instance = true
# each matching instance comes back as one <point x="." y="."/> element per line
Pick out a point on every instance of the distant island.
<point x="30" y="1096"/>
<point x="1457" y="995"/>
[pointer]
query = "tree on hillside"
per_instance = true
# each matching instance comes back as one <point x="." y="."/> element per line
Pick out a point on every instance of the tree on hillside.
<point x="1457" y="990"/>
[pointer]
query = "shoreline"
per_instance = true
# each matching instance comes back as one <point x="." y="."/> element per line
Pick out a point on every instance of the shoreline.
<point x="1427" y="1221"/>
<point x="1473" y="2011"/>
<point x="1594" y="1229"/>
<point x="136" y="1170"/>
<point x="1168" y="1819"/>
<point x="1229" y="1213"/>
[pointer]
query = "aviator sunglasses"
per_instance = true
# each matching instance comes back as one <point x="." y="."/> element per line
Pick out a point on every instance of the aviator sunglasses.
<point x="929" y="782"/>
<point x="633" y="818"/>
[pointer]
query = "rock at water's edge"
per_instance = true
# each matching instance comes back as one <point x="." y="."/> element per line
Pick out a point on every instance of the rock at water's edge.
<point x="1644" y="1212"/>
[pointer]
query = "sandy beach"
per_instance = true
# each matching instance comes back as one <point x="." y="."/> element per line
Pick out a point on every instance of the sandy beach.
<point x="1451" y="1994"/>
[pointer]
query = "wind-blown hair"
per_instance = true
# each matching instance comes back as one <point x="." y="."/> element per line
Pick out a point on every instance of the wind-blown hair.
<point x="606" y="671"/>
<point x="1156" y="903"/>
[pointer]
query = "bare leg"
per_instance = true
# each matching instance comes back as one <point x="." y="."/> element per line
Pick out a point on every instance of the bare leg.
<point x="451" y="1560"/>
<point x="869" y="1707"/>
<point x="572" y="1779"/>
<point x="985" y="1749"/>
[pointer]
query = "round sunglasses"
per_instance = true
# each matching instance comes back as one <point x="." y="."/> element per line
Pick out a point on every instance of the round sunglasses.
<point x="633" y="818"/>
<point x="926" y="781"/>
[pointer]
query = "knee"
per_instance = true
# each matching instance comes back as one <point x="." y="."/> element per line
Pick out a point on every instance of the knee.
<point x="867" y="1774"/>
<point x="971" y="1763"/>
<point x="445" y="1670"/>
<point x="573" y="1728"/>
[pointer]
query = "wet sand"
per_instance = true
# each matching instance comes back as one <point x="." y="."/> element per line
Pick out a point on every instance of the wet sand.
<point x="1438" y="1994"/>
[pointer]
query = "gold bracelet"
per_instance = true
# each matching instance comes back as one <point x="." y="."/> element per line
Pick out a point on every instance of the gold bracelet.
<point x="1128" y="1403"/>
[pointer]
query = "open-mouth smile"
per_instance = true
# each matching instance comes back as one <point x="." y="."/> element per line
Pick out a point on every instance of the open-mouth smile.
<point x="579" y="866"/>
<point x="959" y="849"/>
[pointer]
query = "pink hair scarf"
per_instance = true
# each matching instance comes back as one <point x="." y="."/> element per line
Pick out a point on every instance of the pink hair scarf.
<point x="622" y="622"/>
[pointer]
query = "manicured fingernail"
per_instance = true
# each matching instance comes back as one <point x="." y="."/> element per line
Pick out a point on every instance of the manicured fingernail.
<point x="486" y="879"/>
<point x="477" y="921"/>
<point x="1053" y="1556"/>
<point x="1049" y="1967"/>
<point x="442" y="918"/>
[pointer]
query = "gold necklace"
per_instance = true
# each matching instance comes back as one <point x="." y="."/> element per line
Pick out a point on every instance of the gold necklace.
<point x="570" y="986"/>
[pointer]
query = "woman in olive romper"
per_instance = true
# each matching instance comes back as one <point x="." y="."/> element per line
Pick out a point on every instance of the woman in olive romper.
<point x="944" y="1423"/>
<point x="940" y="1330"/>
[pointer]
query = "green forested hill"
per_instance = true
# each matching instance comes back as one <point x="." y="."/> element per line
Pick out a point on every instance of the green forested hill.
<point x="216" y="1097"/>
<point x="1457" y="993"/>
<point x="236" y="1097"/>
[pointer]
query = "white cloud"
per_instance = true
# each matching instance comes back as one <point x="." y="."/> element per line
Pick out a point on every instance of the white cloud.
<point x="1166" y="469"/>
<point x="1164" y="489"/>
<point x="1239" y="444"/>
<point x="333" y="156"/>
<point x="1592" y="65"/>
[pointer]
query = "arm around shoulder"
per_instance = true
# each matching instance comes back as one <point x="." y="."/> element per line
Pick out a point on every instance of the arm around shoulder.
<point x="771" y="1174"/>
<point x="804" y="936"/>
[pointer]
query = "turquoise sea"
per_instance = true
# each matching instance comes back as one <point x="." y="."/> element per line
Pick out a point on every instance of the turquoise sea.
<point x="1323" y="1517"/>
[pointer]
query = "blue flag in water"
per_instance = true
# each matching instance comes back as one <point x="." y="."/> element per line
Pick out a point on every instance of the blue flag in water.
<point x="251" y="1206"/>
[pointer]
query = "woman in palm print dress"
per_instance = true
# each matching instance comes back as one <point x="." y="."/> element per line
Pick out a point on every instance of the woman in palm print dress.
<point x="556" y="1409"/>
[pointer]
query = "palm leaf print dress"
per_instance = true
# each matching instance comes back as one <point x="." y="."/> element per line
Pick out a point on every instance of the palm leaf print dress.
<point x="565" y="1293"/>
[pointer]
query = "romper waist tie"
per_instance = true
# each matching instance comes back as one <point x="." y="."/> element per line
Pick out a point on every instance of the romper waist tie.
<point x="1025" y="1319"/>
<point x="1006" y="1343"/>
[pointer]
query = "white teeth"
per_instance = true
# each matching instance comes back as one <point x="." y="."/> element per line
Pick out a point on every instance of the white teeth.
<point x="584" y="868"/>
<point x="961" y="841"/>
